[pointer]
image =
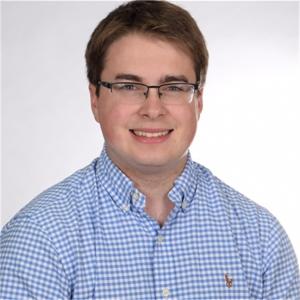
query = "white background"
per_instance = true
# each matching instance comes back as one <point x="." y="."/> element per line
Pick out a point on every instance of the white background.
<point x="249" y="130"/>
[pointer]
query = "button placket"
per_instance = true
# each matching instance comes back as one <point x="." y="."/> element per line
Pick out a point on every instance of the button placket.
<point x="161" y="252"/>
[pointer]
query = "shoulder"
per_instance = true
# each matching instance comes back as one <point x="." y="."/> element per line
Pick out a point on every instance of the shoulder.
<point x="252" y="216"/>
<point x="49" y="227"/>
<point x="251" y="224"/>
<point x="55" y="213"/>
<point x="265" y="251"/>
<point x="234" y="202"/>
<point x="58" y="201"/>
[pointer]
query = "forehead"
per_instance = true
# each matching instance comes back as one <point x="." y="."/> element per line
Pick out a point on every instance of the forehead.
<point x="146" y="55"/>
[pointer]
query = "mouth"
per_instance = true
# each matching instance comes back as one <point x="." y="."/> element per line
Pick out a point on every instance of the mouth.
<point x="151" y="133"/>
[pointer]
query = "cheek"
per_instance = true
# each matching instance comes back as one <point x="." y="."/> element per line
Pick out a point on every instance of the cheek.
<point x="113" y="122"/>
<point x="190" y="130"/>
<point x="187" y="120"/>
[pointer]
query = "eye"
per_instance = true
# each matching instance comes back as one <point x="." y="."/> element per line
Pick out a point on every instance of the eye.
<point x="126" y="86"/>
<point x="173" y="88"/>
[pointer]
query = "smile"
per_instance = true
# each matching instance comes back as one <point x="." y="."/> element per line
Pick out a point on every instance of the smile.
<point x="150" y="134"/>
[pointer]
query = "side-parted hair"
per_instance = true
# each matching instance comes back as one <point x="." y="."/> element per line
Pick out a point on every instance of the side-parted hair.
<point x="159" y="19"/>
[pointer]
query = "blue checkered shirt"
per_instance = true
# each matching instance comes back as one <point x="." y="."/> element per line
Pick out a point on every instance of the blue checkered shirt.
<point x="88" y="237"/>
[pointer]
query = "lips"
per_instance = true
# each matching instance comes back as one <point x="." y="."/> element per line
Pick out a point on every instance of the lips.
<point x="151" y="134"/>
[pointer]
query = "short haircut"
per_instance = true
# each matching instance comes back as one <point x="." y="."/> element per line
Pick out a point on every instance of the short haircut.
<point x="159" y="19"/>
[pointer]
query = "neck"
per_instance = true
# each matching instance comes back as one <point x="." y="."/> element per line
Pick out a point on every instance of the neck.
<point x="155" y="186"/>
<point x="153" y="181"/>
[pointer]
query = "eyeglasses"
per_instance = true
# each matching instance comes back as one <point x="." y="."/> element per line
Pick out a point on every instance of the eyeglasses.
<point x="169" y="93"/>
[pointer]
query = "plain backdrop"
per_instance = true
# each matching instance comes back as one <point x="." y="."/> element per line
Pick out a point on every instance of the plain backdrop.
<point x="248" y="133"/>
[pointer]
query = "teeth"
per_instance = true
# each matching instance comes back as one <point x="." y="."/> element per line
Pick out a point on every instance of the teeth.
<point x="150" y="134"/>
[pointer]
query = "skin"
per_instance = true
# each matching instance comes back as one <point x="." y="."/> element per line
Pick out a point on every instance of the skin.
<point x="152" y="164"/>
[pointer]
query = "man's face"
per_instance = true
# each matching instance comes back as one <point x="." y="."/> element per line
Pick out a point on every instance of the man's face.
<point x="152" y="61"/>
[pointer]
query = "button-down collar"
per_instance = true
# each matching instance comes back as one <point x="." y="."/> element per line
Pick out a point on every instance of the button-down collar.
<point x="116" y="183"/>
<point x="184" y="186"/>
<point x="125" y="195"/>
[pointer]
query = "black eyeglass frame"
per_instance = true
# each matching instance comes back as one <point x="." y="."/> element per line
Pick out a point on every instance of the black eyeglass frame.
<point x="109" y="85"/>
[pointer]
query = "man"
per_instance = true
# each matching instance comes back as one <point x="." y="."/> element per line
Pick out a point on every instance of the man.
<point x="143" y="221"/>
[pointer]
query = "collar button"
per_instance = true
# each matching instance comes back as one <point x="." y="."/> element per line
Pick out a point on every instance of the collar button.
<point x="184" y="204"/>
<point x="135" y="196"/>
<point x="125" y="207"/>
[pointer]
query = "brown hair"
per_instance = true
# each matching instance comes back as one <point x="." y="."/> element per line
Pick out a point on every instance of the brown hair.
<point x="160" y="19"/>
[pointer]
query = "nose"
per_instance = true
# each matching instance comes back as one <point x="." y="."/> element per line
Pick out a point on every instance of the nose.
<point x="152" y="107"/>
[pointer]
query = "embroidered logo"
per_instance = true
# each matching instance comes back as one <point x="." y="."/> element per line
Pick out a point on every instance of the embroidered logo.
<point x="228" y="281"/>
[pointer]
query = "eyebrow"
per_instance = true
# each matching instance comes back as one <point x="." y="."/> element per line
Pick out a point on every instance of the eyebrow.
<point x="171" y="78"/>
<point x="166" y="79"/>
<point x="129" y="77"/>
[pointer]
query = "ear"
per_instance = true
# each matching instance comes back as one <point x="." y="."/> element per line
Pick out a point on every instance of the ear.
<point x="94" y="101"/>
<point x="199" y="102"/>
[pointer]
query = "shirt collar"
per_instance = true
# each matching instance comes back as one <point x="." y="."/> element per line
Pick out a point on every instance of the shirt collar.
<point x="126" y="196"/>
<point x="116" y="183"/>
<point x="185" y="185"/>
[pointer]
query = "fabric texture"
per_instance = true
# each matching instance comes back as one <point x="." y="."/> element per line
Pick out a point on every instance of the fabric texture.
<point x="88" y="237"/>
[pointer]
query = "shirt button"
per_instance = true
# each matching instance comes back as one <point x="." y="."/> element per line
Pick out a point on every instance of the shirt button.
<point x="160" y="239"/>
<point x="125" y="207"/>
<point x="135" y="196"/>
<point x="184" y="204"/>
<point x="165" y="292"/>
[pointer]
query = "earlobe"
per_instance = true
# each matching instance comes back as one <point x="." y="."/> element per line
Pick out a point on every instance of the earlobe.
<point x="94" y="101"/>
<point x="92" y="90"/>
<point x="199" y="102"/>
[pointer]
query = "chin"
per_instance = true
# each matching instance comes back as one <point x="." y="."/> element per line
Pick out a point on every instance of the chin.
<point x="157" y="160"/>
<point x="151" y="161"/>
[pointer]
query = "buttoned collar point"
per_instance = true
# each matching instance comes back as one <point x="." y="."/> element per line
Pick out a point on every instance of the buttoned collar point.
<point x="115" y="182"/>
<point x="126" y="196"/>
<point x="184" y="186"/>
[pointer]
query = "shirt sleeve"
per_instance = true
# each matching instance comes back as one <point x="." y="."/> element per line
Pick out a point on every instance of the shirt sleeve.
<point x="30" y="267"/>
<point x="280" y="268"/>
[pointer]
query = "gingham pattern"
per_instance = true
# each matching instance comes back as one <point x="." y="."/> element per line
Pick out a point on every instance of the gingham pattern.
<point x="88" y="237"/>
